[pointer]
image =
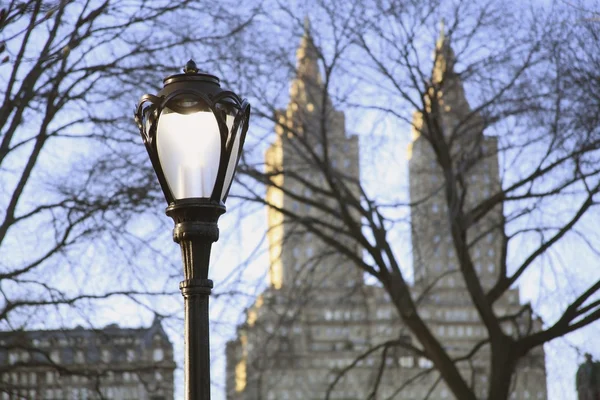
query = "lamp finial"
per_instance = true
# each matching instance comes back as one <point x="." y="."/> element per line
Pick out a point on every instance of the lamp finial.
<point x="190" y="67"/>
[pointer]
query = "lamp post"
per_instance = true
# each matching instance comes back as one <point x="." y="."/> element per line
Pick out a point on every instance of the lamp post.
<point x="194" y="132"/>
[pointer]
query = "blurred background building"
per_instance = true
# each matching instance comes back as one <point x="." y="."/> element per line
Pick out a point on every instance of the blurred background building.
<point x="319" y="331"/>
<point x="587" y="380"/>
<point x="111" y="363"/>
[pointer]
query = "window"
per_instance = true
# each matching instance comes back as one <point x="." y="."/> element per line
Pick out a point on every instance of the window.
<point x="296" y="252"/>
<point x="491" y="267"/>
<point x="425" y="363"/>
<point x="105" y="355"/>
<point x="79" y="358"/>
<point x="158" y="354"/>
<point x="13" y="357"/>
<point x="435" y="208"/>
<point x="55" y="356"/>
<point x="436" y="239"/>
<point x="346" y="163"/>
<point x="309" y="251"/>
<point x="130" y="355"/>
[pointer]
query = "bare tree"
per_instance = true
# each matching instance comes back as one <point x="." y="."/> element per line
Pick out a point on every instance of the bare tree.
<point x="527" y="79"/>
<point x="79" y="202"/>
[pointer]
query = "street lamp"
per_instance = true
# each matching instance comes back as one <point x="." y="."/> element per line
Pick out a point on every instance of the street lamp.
<point x="194" y="132"/>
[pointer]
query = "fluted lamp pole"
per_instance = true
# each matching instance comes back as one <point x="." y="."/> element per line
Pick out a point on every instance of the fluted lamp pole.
<point x="194" y="132"/>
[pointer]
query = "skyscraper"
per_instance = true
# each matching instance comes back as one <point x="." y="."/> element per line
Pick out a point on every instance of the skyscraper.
<point x="319" y="330"/>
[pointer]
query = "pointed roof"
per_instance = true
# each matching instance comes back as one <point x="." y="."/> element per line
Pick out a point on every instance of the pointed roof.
<point x="444" y="56"/>
<point x="307" y="56"/>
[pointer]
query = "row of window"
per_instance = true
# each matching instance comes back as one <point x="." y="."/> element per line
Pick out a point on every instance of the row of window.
<point x="74" y="394"/>
<point x="462" y="315"/>
<point x="460" y="331"/>
<point x="344" y="315"/>
<point x="106" y="356"/>
<point x="72" y="342"/>
<point x="53" y="377"/>
<point x="404" y="361"/>
<point x="408" y="393"/>
<point x="475" y="252"/>
<point x="489" y="238"/>
<point x="308" y="252"/>
<point x="485" y="178"/>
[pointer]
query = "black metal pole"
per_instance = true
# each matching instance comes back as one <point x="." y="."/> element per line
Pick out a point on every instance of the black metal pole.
<point x="195" y="230"/>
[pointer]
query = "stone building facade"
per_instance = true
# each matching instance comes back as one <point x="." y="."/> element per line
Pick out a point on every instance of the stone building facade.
<point x="319" y="331"/>
<point x="82" y="364"/>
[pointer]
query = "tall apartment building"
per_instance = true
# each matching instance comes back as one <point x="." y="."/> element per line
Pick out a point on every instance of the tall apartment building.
<point x="82" y="364"/>
<point x="308" y="335"/>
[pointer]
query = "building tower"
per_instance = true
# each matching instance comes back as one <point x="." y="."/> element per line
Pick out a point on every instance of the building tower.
<point x="318" y="318"/>
<point x="449" y="310"/>
<point x="304" y="141"/>
<point x="473" y="153"/>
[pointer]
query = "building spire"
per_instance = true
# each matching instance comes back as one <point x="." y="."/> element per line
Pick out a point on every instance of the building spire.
<point x="306" y="26"/>
<point x="444" y="55"/>
<point x="307" y="56"/>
